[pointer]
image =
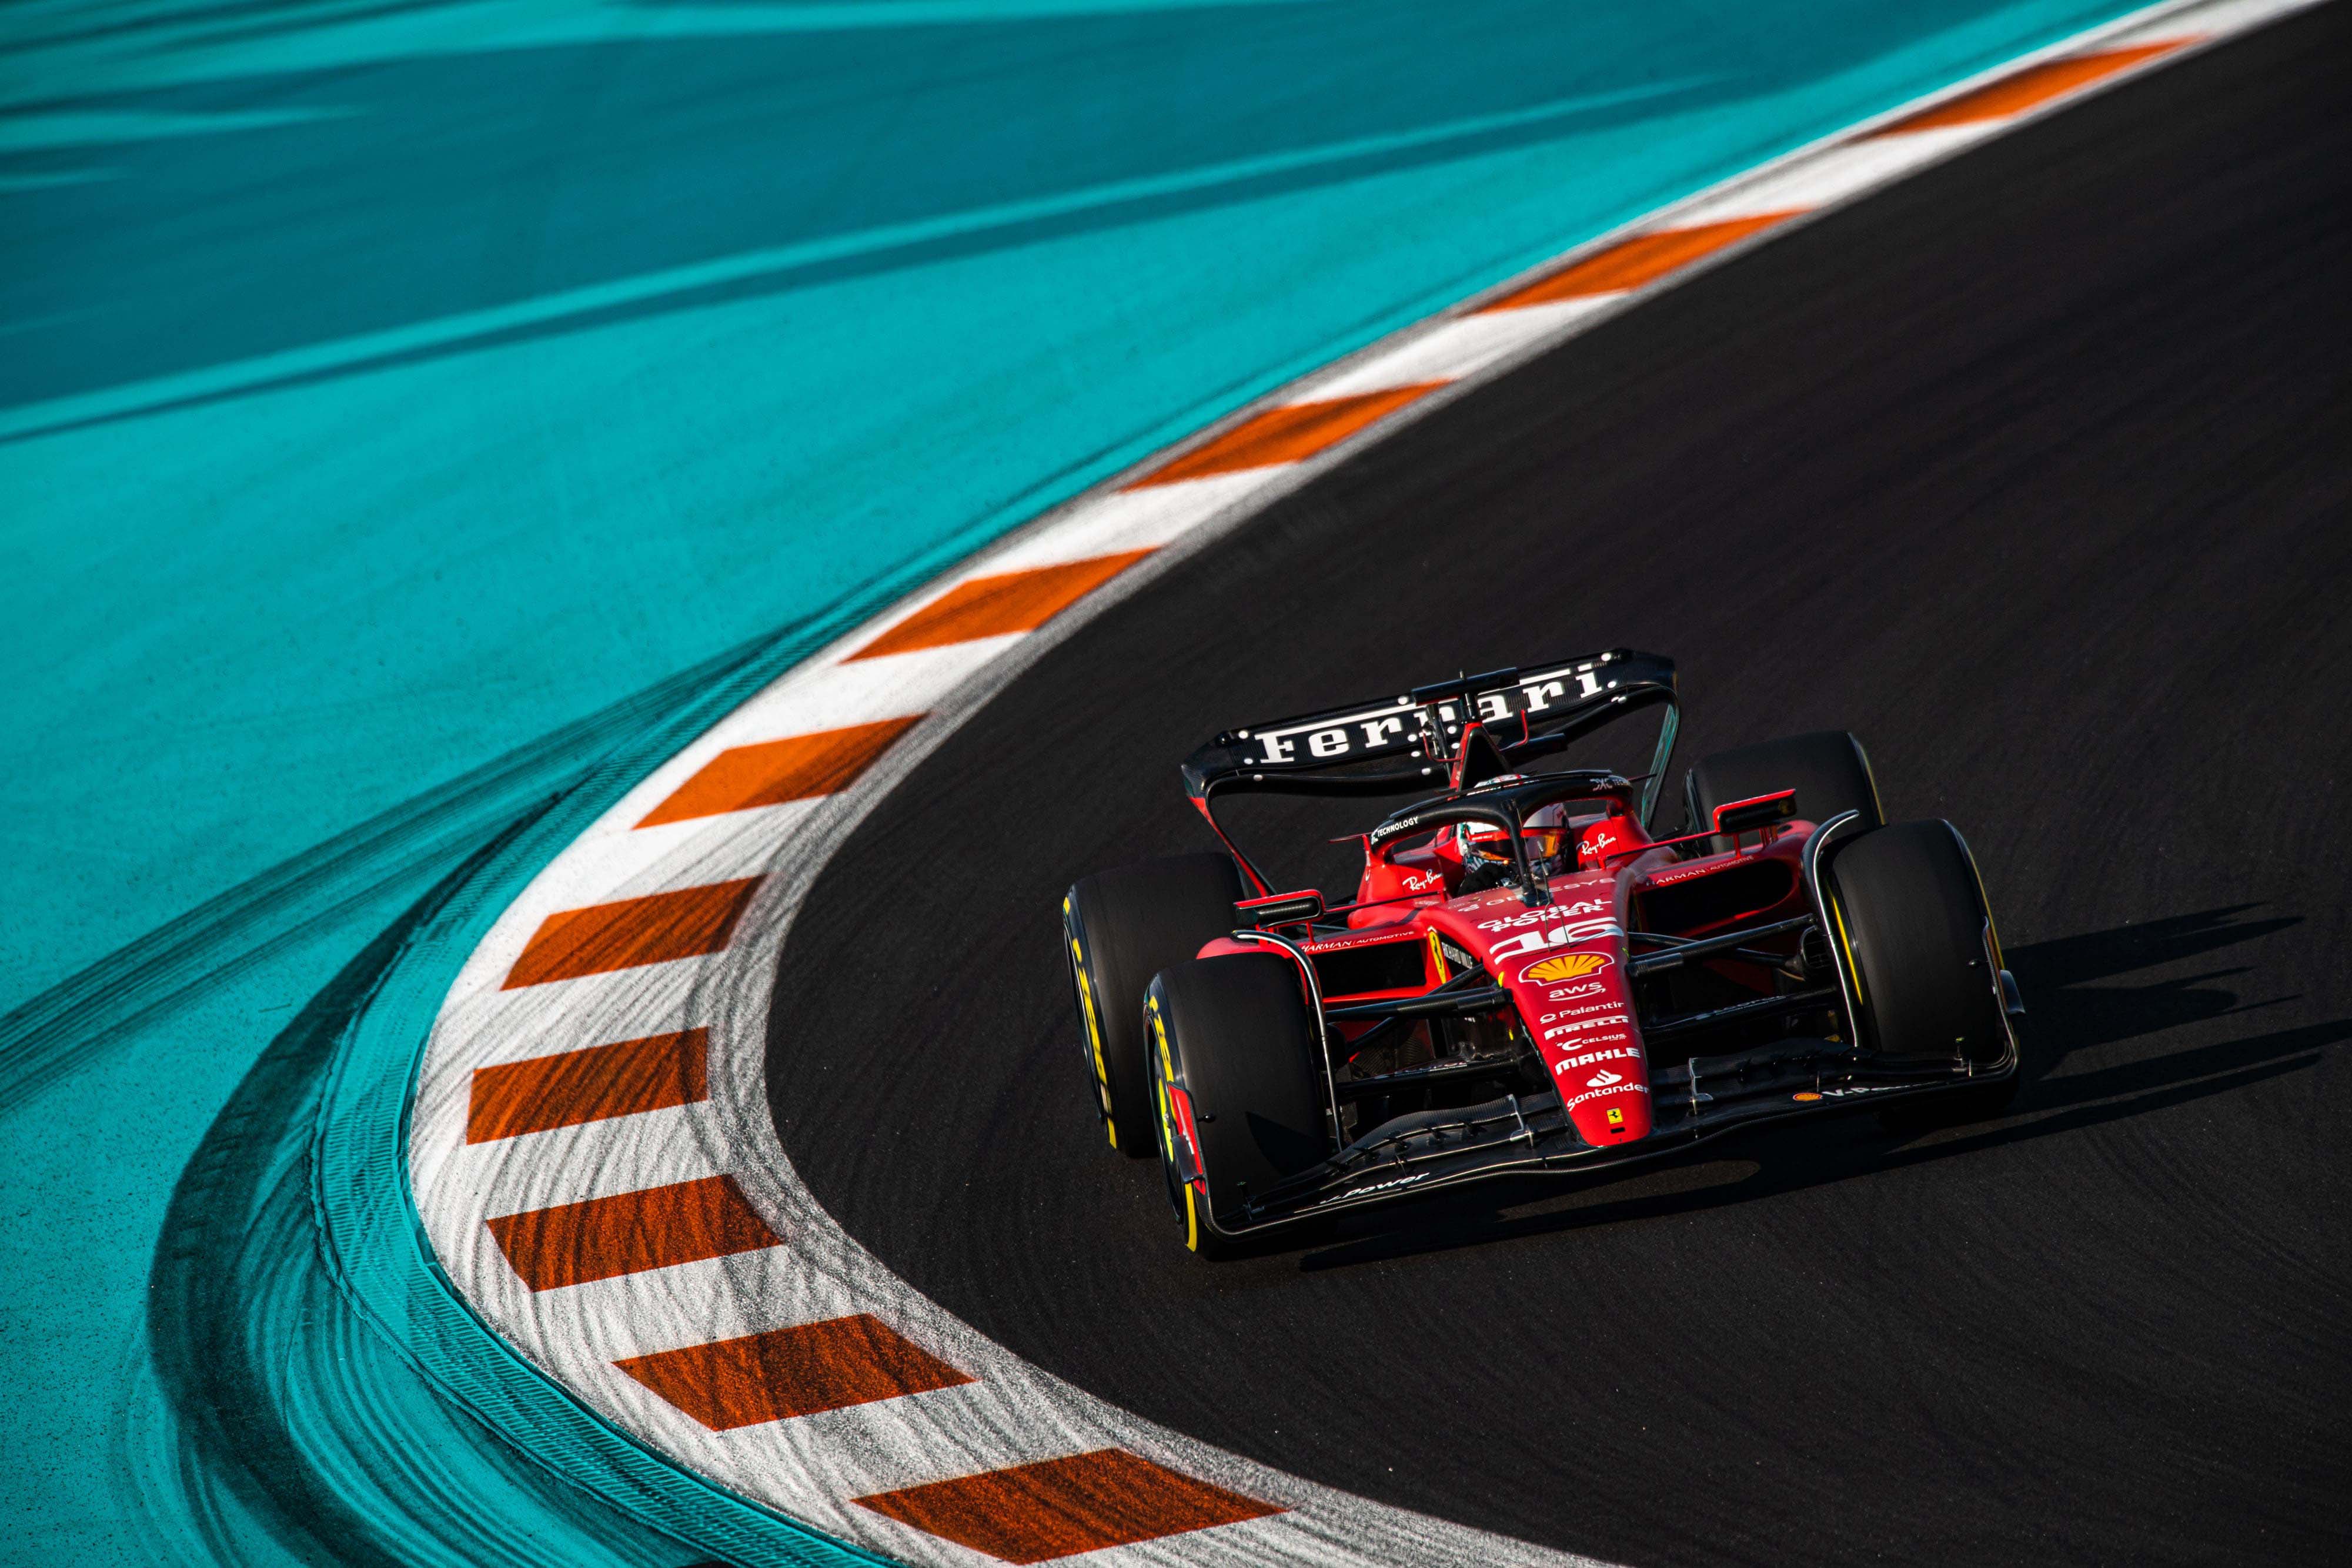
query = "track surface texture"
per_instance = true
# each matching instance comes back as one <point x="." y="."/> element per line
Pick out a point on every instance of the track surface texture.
<point x="2036" y="472"/>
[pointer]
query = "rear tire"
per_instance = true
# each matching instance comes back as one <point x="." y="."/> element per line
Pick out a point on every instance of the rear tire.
<point x="1233" y="1036"/>
<point x="1118" y="929"/>
<point x="1828" y="769"/>
<point x="1908" y="911"/>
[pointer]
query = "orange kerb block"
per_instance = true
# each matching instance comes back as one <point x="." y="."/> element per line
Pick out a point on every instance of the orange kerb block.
<point x="995" y="606"/>
<point x="1030" y="1514"/>
<point x="630" y="1232"/>
<point x="1288" y="435"/>
<point x="785" y="1372"/>
<point x="775" y="771"/>
<point x="1630" y="263"/>
<point x="563" y="1090"/>
<point x="632" y="932"/>
<point x="2030" y="89"/>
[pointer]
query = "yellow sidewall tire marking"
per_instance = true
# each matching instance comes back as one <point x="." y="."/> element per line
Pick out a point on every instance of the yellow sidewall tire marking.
<point x="1168" y="1126"/>
<point x="1167" y="1070"/>
<point x="1094" y="1038"/>
<point x="1837" y="913"/>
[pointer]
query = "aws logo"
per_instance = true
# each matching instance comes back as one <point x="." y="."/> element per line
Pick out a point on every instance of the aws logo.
<point x="1567" y="966"/>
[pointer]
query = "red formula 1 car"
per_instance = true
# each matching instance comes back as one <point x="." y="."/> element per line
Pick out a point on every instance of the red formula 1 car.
<point x="1526" y="979"/>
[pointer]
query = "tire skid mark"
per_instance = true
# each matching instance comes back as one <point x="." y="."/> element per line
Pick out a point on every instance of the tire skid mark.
<point x="624" y="1078"/>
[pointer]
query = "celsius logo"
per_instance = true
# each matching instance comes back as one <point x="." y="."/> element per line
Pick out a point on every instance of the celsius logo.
<point x="1602" y="1080"/>
<point x="1567" y="966"/>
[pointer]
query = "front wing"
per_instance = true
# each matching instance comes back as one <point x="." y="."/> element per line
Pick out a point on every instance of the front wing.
<point x="1521" y="1135"/>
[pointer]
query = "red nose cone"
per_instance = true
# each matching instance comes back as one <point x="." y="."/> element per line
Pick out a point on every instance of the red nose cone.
<point x="1580" y="1006"/>
<point x="1606" y="1112"/>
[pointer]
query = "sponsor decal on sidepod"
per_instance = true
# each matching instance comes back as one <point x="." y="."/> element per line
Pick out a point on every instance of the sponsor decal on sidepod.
<point x="1668" y="878"/>
<point x="1565" y="966"/>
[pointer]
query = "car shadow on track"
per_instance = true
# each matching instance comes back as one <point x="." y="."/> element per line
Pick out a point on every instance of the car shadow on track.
<point x="2070" y="1015"/>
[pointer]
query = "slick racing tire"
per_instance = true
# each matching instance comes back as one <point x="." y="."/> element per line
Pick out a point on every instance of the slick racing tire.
<point x="1232" y="1037"/>
<point x="1118" y="929"/>
<point x="1907" y="912"/>
<point x="1828" y="769"/>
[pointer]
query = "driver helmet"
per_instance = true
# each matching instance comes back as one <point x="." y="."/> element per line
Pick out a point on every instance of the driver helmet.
<point x="1482" y="847"/>
<point x="1546" y="832"/>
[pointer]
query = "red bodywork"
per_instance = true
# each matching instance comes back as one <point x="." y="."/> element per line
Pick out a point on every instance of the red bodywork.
<point x="1563" y="964"/>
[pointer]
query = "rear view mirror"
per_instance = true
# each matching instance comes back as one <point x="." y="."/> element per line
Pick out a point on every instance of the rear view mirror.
<point x="1278" y="909"/>
<point x="1758" y="812"/>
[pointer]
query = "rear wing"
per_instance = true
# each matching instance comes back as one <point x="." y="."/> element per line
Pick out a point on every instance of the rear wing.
<point x="1392" y="746"/>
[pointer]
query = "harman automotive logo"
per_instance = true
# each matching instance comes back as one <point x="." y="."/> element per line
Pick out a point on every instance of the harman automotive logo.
<point x="1567" y="966"/>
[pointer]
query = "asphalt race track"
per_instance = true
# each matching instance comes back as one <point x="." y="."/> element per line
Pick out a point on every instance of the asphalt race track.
<point x="2036" y="472"/>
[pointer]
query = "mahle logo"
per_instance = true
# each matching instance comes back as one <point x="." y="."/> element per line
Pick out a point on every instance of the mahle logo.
<point x="1567" y="966"/>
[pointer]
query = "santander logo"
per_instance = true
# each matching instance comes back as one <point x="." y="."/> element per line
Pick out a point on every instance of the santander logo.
<point x="1603" y="1079"/>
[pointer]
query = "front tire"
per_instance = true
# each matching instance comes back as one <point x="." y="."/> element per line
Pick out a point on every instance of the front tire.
<point x="1118" y="929"/>
<point x="1234" y="1060"/>
<point x="1908" y="912"/>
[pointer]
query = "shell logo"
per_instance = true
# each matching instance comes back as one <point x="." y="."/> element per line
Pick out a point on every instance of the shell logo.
<point x="1567" y="966"/>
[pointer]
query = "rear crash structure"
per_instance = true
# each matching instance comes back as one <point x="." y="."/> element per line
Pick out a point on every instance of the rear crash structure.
<point x="1526" y="979"/>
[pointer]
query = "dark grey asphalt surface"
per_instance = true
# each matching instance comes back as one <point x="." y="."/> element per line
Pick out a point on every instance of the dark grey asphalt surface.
<point x="2036" y="472"/>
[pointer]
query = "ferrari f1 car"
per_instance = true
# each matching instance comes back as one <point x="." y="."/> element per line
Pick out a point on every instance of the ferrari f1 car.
<point x="1527" y="979"/>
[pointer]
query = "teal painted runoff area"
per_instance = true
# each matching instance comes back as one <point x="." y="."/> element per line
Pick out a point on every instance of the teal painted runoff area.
<point x="409" y="412"/>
